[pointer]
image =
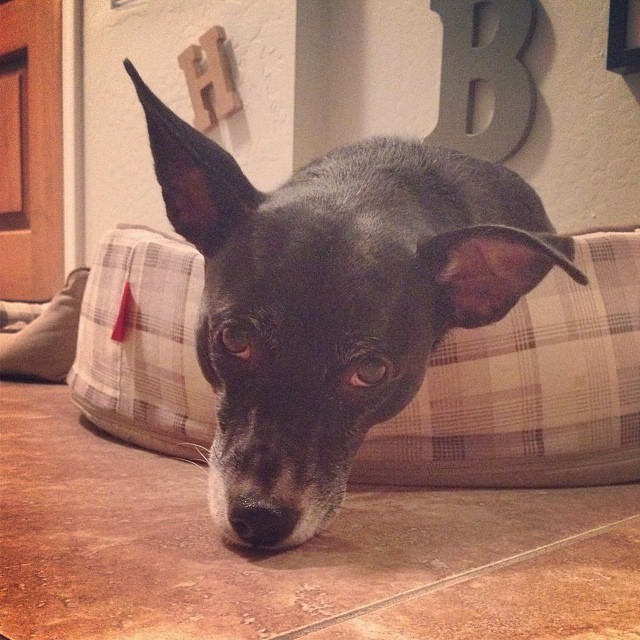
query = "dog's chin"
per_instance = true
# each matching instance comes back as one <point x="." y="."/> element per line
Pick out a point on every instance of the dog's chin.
<point x="316" y="515"/>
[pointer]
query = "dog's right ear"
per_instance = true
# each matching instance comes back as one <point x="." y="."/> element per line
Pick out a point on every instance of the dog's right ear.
<point x="482" y="271"/>
<point x="204" y="189"/>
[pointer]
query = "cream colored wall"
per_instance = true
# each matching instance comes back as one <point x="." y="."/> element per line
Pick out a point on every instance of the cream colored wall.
<point x="583" y="152"/>
<point x="119" y="182"/>
<point x="364" y="67"/>
<point x="357" y="67"/>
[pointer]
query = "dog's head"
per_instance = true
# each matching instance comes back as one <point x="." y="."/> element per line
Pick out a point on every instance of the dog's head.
<point x="317" y="319"/>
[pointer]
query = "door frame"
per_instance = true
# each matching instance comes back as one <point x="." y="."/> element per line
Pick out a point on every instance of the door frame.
<point x="73" y="135"/>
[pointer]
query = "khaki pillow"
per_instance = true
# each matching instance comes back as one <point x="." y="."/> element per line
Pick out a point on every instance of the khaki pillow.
<point x="46" y="347"/>
<point x="16" y="315"/>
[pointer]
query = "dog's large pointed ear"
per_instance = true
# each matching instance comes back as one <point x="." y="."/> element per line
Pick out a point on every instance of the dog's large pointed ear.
<point x="481" y="272"/>
<point x="203" y="187"/>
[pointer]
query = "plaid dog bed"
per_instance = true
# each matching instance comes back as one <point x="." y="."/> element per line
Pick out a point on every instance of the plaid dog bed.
<point x="548" y="396"/>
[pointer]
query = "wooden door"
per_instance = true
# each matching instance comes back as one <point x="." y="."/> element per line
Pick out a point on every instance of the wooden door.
<point x="31" y="229"/>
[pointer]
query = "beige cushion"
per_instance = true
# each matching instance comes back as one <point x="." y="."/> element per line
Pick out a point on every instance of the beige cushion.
<point x="548" y="396"/>
<point x="16" y="315"/>
<point x="45" y="348"/>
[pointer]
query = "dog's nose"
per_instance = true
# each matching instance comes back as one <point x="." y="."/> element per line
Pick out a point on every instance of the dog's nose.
<point x="261" y="523"/>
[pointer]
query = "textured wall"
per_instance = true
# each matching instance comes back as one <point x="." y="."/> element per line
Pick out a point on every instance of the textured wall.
<point x="362" y="67"/>
<point x="120" y="185"/>
<point x="583" y="153"/>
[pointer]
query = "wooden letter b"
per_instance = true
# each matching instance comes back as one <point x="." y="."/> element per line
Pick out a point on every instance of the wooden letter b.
<point x="466" y="64"/>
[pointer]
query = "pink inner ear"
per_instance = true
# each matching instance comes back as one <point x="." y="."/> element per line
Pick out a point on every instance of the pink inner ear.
<point x="491" y="257"/>
<point x="190" y="197"/>
<point x="485" y="276"/>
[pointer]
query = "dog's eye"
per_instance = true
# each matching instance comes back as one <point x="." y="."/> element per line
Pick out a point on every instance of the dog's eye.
<point x="235" y="340"/>
<point x="370" y="372"/>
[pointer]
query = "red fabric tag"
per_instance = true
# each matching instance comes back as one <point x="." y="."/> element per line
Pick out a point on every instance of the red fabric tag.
<point x="120" y="327"/>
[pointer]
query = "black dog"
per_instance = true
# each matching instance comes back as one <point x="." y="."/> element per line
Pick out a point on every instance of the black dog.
<point x="323" y="300"/>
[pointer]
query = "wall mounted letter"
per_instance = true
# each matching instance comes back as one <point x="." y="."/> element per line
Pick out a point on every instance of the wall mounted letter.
<point x="468" y="64"/>
<point x="212" y="91"/>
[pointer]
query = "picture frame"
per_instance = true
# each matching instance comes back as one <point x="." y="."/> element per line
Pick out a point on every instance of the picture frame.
<point x="623" y="15"/>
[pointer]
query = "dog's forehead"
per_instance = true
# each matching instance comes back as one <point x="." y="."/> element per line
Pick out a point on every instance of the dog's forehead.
<point x="331" y="258"/>
<point x="341" y="270"/>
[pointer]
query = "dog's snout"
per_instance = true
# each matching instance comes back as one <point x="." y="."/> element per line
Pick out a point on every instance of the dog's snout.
<point x="261" y="523"/>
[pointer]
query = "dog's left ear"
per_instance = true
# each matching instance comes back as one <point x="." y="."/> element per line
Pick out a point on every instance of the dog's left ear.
<point x="481" y="272"/>
<point x="205" y="191"/>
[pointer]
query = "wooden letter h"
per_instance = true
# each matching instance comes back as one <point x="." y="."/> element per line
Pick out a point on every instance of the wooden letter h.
<point x="211" y="87"/>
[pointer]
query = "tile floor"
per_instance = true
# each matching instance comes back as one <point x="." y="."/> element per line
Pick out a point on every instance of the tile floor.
<point x="101" y="541"/>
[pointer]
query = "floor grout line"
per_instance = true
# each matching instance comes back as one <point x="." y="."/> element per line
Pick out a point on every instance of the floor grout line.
<point x="453" y="580"/>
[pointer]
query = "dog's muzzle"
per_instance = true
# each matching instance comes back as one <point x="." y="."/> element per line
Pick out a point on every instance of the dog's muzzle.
<point x="283" y="517"/>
